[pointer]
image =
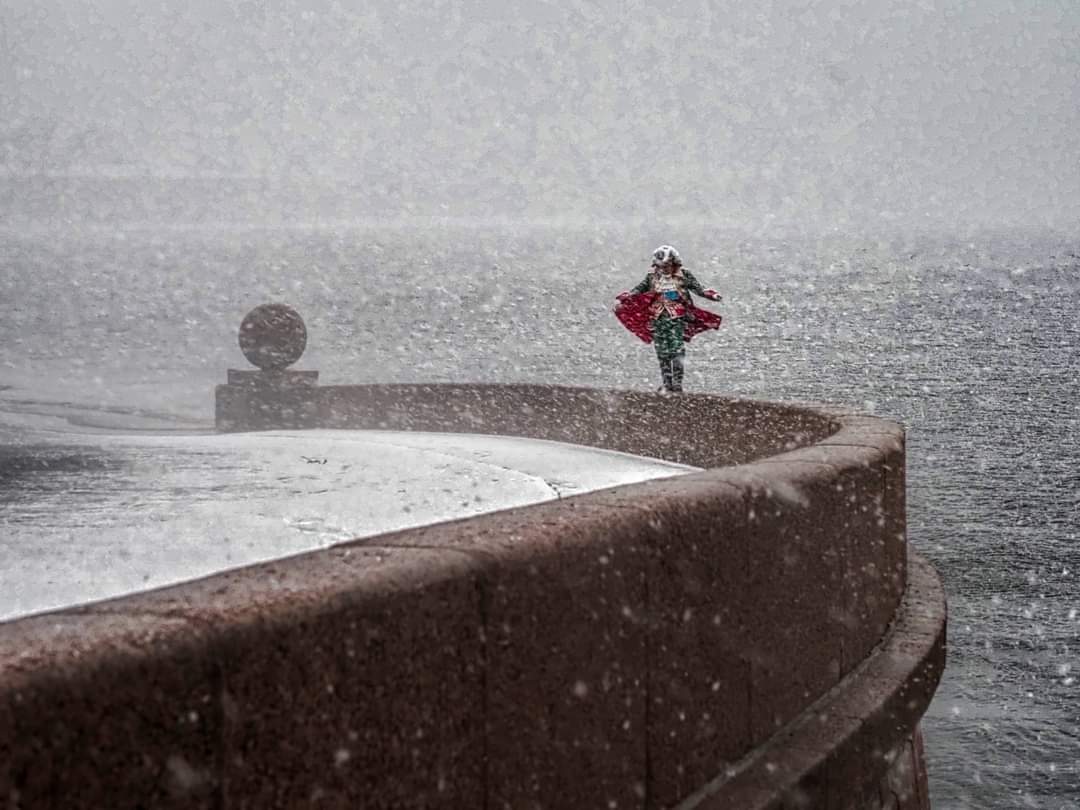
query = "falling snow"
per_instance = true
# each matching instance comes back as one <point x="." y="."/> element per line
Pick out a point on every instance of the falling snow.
<point x="886" y="194"/>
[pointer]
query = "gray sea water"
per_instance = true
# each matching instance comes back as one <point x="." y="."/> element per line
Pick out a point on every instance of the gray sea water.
<point x="973" y="344"/>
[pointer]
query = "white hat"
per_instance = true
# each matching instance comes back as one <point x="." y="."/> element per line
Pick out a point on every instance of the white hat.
<point x="665" y="254"/>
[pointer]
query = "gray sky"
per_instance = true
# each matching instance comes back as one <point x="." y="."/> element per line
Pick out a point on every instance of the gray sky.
<point x="832" y="112"/>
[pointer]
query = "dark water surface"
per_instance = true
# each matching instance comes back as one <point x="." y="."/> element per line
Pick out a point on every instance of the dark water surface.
<point x="974" y="345"/>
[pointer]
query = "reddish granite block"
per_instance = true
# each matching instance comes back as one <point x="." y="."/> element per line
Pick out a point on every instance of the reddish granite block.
<point x="894" y="521"/>
<point x="780" y="783"/>
<point x="793" y="612"/>
<point x="850" y="772"/>
<point x="699" y="707"/>
<point x="263" y="407"/>
<point x="921" y="777"/>
<point x="849" y="777"/>
<point x="566" y="670"/>
<point x="348" y="675"/>
<point x="862" y="730"/>
<point x="924" y="602"/>
<point x="364" y="695"/>
<point x="564" y="608"/>
<point x="870" y="583"/>
<point x="698" y="673"/>
<point x="751" y="584"/>
<point x="696" y="538"/>
<point x="832" y="761"/>
<point x="869" y="457"/>
<point x="901" y="781"/>
<point x="109" y="711"/>
<point x="857" y="525"/>
<point x="8" y="794"/>
<point x="872" y="732"/>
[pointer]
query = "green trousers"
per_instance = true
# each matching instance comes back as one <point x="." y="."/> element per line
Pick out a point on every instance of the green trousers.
<point x="668" y="336"/>
<point x="668" y="341"/>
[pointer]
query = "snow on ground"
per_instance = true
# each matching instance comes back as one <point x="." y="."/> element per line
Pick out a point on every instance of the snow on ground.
<point x="121" y="513"/>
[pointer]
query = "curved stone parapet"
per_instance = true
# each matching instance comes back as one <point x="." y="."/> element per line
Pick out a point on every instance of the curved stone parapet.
<point x="843" y="749"/>
<point x="751" y="635"/>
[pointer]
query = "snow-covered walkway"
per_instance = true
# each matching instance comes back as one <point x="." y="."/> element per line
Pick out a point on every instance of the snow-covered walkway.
<point x="123" y="513"/>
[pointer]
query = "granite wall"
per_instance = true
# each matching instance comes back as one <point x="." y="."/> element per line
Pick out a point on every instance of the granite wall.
<point x="756" y="635"/>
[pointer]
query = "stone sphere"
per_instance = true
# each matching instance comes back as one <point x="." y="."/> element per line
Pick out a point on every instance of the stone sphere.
<point x="273" y="336"/>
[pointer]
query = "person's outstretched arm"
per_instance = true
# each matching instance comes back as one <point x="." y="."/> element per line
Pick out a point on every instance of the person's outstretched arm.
<point x="643" y="287"/>
<point x="694" y="286"/>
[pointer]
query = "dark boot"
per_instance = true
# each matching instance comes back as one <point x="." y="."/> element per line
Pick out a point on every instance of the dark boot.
<point x="667" y="373"/>
<point x="676" y="373"/>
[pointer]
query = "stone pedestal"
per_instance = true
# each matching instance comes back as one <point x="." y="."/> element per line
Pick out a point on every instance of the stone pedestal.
<point x="264" y="380"/>
<point x="266" y="400"/>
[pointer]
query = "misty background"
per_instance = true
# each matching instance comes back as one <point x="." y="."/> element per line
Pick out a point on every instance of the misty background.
<point x="796" y="115"/>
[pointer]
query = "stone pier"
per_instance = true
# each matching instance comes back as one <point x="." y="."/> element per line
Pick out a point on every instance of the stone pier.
<point x="756" y="635"/>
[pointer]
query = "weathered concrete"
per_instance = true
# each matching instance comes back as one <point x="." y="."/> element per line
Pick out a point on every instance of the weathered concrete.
<point x="750" y="633"/>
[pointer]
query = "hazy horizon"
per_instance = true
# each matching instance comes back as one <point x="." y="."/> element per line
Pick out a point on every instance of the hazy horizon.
<point x="808" y="115"/>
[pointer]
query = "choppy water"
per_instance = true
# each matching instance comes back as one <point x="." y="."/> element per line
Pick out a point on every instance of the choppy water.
<point x="973" y="344"/>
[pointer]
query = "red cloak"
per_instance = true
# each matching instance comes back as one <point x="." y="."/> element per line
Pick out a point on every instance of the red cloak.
<point x="634" y="313"/>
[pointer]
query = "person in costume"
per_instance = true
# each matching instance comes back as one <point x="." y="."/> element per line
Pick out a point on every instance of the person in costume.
<point x="660" y="311"/>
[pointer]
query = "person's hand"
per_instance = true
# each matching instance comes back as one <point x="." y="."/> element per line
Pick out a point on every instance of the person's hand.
<point x="713" y="295"/>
